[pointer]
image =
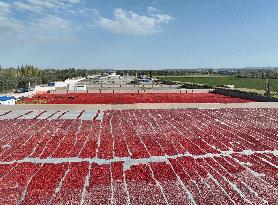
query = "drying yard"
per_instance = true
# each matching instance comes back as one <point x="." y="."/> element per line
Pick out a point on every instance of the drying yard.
<point x="159" y="153"/>
<point x="139" y="156"/>
<point x="131" y="98"/>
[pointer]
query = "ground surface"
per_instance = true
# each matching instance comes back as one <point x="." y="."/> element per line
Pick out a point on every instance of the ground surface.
<point x="177" y="156"/>
<point x="88" y="107"/>
<point x="132" y="98"/>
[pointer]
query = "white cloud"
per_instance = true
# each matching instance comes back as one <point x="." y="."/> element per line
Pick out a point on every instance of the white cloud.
<point x="38" y="6"/>
<point x="41" y="20"/>
<point x="51" y="28"/>
<point x="8" y="24"/>
<point x="152" y="9"/>
<point x="46" y="20"/>
<point x="52" y="23"/>
<point x="44" y="29"/>
<point x="129" y="22"/>
<point x="74" y="1"/>
<point x="4" y="8"/>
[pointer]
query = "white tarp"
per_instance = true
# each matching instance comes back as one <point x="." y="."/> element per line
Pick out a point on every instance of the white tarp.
<point x="56" y="115"/>
<point x="14" y="114"/>
<point x="70" y="115"/>
<point x="100" y="116"/>
<point x="2" y="112"/>
<point x="47" y="114"/>
<point x="88" y="115"/>
<point x="31" y="115"/>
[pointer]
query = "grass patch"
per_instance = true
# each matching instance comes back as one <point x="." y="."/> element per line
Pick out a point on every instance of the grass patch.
<point x="214" y="81"/>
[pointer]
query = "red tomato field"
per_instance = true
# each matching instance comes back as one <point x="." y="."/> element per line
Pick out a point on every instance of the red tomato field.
<point x="131" y="98"/>
<point x="177" y="156"/>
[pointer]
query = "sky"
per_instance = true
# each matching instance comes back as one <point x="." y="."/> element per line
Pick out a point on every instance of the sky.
<point x="139" y="34"/>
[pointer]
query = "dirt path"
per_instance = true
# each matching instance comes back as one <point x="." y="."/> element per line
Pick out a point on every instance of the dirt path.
<point x="141" y="106"/>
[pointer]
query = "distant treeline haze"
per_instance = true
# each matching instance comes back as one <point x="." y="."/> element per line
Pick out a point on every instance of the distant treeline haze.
<point x="13" y="78"/>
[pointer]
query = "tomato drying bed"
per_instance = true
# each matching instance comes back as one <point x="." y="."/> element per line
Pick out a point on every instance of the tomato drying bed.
<point x="182" y="156"/>
<point x="131" y="98"/>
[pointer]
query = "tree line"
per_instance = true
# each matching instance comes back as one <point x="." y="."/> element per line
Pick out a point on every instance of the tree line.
<point x="20" y="77"/>
<point x="240" y="73"/>
<point x="12" y="78"/>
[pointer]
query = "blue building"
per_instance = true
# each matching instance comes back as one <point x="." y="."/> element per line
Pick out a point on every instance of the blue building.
<point x="6" y="100"/>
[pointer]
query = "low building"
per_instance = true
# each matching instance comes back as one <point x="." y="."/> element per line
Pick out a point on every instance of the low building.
<point x="112" y="75"/>
<point x="58" y="84"/>
<point x="80" y="87"/>
<point x="6" y="100"/>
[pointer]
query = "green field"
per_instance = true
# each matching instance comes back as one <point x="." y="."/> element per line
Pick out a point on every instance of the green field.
<point x="250" y="83"/>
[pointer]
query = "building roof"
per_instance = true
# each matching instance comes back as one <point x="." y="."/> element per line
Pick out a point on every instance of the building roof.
<point x="6" y="98"/>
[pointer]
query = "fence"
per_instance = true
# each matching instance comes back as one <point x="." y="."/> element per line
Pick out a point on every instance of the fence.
<point x="246" y="95"/>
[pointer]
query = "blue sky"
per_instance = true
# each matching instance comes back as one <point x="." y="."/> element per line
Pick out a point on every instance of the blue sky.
<point x="141" y="34"/>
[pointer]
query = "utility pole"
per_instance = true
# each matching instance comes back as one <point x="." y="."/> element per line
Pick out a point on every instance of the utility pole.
<point x="267" y="86"/>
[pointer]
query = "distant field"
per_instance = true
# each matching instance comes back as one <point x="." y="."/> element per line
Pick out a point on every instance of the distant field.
<point x="250" y="83"/>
